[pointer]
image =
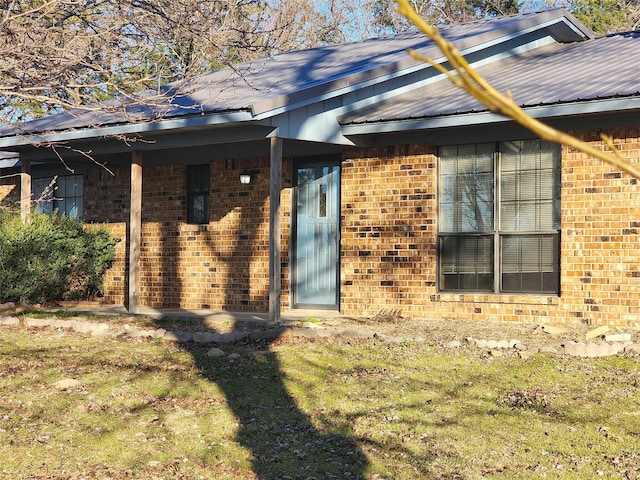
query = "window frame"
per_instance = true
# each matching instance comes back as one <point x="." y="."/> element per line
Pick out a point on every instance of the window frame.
<point x="54" y="202"/>
<point x="197" y="188"/>
<point x="499" y="283"/>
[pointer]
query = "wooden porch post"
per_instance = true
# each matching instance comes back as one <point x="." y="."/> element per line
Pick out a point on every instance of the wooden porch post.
<point x="25" y="191"/>
<point x="275" y="180"/>
<point x="135" y="232"/>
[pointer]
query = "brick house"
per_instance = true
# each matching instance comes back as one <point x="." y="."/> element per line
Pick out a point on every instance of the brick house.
<point x="353" y="178"/>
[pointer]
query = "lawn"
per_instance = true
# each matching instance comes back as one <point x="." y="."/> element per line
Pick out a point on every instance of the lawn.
<point x="309" y="410"/>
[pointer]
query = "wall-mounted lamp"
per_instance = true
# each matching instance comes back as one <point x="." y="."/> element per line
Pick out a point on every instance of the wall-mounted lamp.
<point x="245" y="177"/>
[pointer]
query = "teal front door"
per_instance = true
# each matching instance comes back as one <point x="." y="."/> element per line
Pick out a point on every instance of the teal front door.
<point x="317" y="231"/>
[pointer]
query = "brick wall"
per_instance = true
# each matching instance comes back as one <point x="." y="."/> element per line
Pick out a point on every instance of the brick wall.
<point x="388" y="239"/>
<point x="222" y="265"/>
<point x="115" y="281"/>
<point x="389" y="231"/>
<point x="10" y="192"/>
<point x="600" y="234"/>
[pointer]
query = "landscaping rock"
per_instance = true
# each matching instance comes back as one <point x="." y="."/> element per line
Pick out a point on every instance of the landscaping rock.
<point x="555" y="330"/>
<point x="7" y="306"/>
<point x="38" y="322"/>
<point x="135" y="333"/>
<point x="81" y="327"/>
<point x="303" y="333"/>
<point x="159" y="333"/>
<point x="548" y="349"/>
<point x="618" y="337"/>
<point x="61" y="324"/>
<point x="632" y="348"/>
<point x="597" y="332"/>
<point x="178" y="336"/>
<point x="592" y="349"/>
<point x="98" y="329"/>
<point x="524" y="354"/>
<point x="233" y="337"/>
<point x="215" y="352"/>
<point x="454" y="344"/>
<point x="67" y="384"/>
<point x="9" y="321"/>
<point x="206" y="337"/>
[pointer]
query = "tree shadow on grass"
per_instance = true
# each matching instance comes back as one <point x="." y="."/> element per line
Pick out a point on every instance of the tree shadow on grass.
<point x="282" y="441"/>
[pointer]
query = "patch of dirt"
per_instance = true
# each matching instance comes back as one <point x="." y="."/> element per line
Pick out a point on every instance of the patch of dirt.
<point x="441" y="332"/>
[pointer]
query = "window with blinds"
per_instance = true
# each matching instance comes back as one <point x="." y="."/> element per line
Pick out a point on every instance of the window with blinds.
<point x="499" y="211"/>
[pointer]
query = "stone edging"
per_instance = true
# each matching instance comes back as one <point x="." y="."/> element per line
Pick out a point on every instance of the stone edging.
<point x="613" y="345"/>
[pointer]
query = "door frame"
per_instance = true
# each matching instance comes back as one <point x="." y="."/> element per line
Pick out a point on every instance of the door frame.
<point x="311" y="161"/>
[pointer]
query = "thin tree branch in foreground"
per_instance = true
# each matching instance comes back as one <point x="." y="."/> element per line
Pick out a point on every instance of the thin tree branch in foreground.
<point x="465" y="77"/>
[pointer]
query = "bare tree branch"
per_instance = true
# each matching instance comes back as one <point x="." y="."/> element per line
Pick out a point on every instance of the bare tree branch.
<point x="465" y="77"/>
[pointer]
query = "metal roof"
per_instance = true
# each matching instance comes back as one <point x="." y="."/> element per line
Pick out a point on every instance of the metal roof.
<point x="270" y="86"/>
<point x="602" y="68"/>
<point x="8" y="159"/>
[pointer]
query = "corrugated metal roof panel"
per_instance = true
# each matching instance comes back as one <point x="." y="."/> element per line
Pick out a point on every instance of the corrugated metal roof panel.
<point x="285" y="79"/>
<point x="605" y="67"/>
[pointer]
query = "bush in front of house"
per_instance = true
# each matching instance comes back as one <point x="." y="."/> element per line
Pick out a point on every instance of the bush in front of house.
<point x="52" y="258"/>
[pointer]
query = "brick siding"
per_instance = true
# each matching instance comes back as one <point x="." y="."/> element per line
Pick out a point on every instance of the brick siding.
<point x="10" y="192"/>
<point x="222" y="265"/>
<point x="388" y="239"/>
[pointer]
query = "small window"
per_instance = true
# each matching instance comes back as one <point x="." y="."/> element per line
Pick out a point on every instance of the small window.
<point x="60" y="194"/>
<point x="198" y="179"/>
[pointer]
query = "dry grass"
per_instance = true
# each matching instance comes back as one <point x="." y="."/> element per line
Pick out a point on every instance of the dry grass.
<point x="324" y="409"/>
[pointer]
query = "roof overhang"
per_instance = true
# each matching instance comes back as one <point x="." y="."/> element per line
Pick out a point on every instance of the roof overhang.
<point x="598" y="106"/>
<point x="312" y="111"/>
<point x="166" y="125"/>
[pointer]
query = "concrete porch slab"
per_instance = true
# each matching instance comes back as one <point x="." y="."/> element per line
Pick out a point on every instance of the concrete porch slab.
<point x="288" y="317"/>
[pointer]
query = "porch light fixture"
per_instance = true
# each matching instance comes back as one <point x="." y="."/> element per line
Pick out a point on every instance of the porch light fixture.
<point x="245" y="177"/>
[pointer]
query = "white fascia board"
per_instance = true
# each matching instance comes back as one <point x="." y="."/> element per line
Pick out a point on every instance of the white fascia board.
<point x="223" y="118"/>
<point x="322" y="127"/>
<point x="479" y="118"/>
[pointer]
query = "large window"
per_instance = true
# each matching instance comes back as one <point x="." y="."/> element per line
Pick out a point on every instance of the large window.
<point x="61" y="194"/>
<point x="198" y="179"/>
<point x="499" y="210"/>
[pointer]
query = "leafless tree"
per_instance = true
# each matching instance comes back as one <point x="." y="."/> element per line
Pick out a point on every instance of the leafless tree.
<point x="68" y="54"/>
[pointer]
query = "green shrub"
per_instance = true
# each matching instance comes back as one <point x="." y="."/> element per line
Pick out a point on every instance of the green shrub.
<point x="52" y="258"/>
